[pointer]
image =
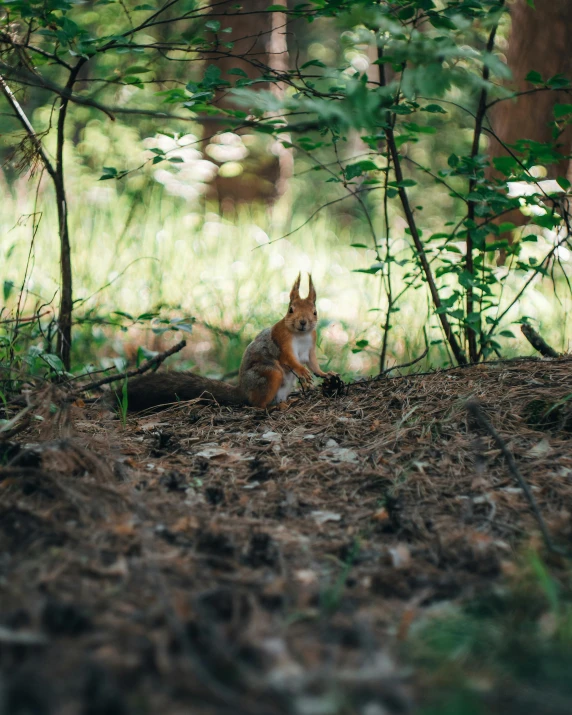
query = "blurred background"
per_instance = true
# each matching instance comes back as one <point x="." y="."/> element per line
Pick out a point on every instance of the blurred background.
<point x="209" y="239"/>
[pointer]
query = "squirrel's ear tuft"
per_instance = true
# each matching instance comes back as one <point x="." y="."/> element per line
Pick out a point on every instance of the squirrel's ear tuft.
<point x="295" y="292"/>
<point x="312" y="291"/>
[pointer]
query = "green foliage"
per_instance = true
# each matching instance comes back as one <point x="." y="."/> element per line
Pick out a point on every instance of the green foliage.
<point x="331" y="595"/>
<point x="517" y="636"/>
<point x="421" y="121"/>
<point x="123" y="403"/>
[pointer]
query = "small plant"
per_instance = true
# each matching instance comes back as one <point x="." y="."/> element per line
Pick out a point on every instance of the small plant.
<point x="515" y="637"/>
<point x="123" y="403"/>
<point x="5" y="403"/>
<point x="331" y="596"/>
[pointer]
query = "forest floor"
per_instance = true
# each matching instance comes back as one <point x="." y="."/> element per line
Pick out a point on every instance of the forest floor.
<point x="370" y="553"/>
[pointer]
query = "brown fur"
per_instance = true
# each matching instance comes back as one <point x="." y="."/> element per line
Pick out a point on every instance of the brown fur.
<point x="264" y="395"/>
<point x="266" y="366"/>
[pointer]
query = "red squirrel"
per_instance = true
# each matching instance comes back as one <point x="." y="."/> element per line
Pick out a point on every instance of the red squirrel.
<point x="269" y="367"/>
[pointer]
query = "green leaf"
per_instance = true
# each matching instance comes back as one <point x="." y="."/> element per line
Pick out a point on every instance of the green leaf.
<point x="407" y="12"/>
<point x="442" y="23"/>
<point x="185" y="327"/>
<point x="109" y="172"/>
<point x="546" y="221"/>
<point x="534" y="77"/>
<point x="506" y="334"/>
<point x="312" y="63"/>
<point x="559" y="81"/>
<point x="144" y="354"/>
<point x="372" y="270"/>
<point x="434" y="109"/>
<point x="137" y="69"/>
<point x="54" y="362"/>
<point x="506" y="226"/>
<point x="505" y="164"/>
<point x="419" y="129"/>
<point x="238" y="71"/>
<point x="211" y="77"/>
<point x="213" y="25"/>
<point x="7" y="288"/>
<point x="563" y="182"/>
<point x="353" y="170"/>
<point x="562" y="110"/>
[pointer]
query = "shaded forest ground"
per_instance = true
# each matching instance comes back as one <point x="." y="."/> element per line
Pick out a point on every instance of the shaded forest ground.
<point x="369" y="553"/>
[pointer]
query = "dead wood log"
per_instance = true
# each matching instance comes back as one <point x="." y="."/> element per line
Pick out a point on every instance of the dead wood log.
<point x="537" y="342"/>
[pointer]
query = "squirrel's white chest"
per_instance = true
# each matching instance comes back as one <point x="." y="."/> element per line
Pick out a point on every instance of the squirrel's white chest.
<point x="301" y="346"/>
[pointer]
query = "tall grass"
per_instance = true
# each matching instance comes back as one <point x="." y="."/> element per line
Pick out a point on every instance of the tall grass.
<point x="149" y="252"/>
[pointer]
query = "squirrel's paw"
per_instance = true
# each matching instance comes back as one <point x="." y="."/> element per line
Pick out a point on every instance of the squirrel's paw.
<point x="305" y="377"/>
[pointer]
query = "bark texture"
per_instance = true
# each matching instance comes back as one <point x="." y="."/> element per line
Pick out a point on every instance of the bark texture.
<point x="259" y="42"/>
<point x="539" y="40"/>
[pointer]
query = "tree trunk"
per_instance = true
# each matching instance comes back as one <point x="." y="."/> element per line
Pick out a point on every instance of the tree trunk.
<point x="259" y="39"/>
<point x="539" y="40"/>
<point x="66" y="300"/>
<point x="66" y="285"/>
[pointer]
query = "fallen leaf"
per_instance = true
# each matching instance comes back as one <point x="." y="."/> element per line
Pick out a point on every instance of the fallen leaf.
<point x="540" y="449"/>
<point x="381" y="515"/>
<point x="306" y="576"/>
<point x="338" y="454"/>
<point x="400" y="555"/>
<point x="271" y="437"/>
<point x="321" y="517"/>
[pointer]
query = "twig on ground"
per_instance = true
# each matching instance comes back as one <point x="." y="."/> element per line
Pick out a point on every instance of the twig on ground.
<point x="10" y="428"/>
<point x="90" y="374"/>
<point x="407" y="364"/>
<point x="476" y="411"/>
<point x="537" y="342"/>
<point x="381" y="375"/>
<point x="147" y="365"/>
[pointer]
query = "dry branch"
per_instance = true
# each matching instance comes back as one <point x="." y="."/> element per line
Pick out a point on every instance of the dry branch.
<point x="11" y="428"/>
<point x="153" y="362"/>
<point x="537" y="342"/>
<point x="25" y="122"/>
<point x="407" y="364"/>
<point x="476" y="411"/>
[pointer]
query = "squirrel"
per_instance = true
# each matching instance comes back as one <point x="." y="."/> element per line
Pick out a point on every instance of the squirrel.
<point x="269" y="367"/>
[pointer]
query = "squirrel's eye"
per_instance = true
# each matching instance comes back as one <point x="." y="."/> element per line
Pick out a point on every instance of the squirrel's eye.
<point x="315" y="313"/>
<point x="291" y="309"/>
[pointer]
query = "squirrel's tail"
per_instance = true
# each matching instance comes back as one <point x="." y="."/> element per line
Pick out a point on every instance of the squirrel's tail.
<point x="164" y="388"/>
